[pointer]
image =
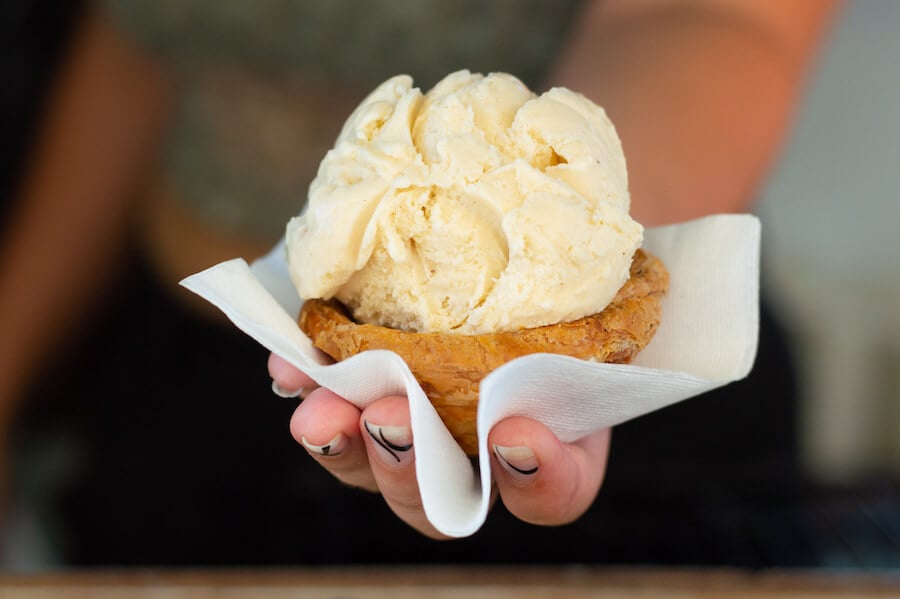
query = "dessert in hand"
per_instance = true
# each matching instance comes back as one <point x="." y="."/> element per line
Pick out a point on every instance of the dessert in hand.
<point x="469" y="226"/>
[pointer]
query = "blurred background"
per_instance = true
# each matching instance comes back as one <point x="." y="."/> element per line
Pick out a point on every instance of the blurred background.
<point x="832" y="258"/>
<point x="143" y="432"/>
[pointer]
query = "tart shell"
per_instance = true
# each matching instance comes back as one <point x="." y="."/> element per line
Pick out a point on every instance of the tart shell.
<point x="450" y="367"/>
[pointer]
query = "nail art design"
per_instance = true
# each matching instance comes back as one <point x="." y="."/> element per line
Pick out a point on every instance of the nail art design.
<point x="516" y="460"/>
<point x="332" y="448"/>
<point x="391" y="448"/>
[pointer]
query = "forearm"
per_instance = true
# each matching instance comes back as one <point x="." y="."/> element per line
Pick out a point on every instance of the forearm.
<point x="97" y="140"/>
<point x="700" y="93"/>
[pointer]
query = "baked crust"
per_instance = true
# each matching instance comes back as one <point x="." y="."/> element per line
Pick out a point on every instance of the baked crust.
<point x="450" y="367"/>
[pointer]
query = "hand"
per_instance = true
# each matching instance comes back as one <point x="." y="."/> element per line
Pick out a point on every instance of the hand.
<point x="539" y="479"/>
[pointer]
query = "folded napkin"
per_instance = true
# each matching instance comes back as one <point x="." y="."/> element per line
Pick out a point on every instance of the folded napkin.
<point x="707" y="338"/>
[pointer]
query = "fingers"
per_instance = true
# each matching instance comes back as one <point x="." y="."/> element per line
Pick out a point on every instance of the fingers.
<point x="542" y="480"/>
<point x="388" y="437"/>
<point x="287" y="381"/>
<point x="372" y="449"/>
<point x="328" y="427"/>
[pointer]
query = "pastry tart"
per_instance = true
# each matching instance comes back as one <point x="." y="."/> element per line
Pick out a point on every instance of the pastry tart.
<point x="450" y="367"/>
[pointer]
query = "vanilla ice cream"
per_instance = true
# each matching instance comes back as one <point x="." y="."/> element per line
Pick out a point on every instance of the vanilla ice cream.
<point x="475" y="208"/>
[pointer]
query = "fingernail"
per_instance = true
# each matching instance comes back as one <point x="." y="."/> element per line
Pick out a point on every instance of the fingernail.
<point x="302" y="392"/>
<point x="332" y="448"/>
<point x="517" y="461"/>
<point x="393" y="443"/>
<point x="277" y="390"/>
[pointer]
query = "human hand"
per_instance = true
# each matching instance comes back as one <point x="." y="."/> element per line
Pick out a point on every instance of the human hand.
<point x="539" y="479"/>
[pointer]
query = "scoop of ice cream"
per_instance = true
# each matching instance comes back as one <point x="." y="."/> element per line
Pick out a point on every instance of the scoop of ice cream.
<point x="477" y="207"/>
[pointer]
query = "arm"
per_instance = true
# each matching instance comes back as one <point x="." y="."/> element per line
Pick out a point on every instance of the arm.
<point x="701" y="92"/>
<point x="97" y="138"/>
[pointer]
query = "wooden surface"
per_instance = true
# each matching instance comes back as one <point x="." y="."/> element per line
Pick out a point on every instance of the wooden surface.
<point x="431" y="583"/>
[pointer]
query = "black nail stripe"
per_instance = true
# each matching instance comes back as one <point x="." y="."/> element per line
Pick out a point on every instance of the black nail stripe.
<point x="528" y="472"/>
<point x="324" y="450"/>
<point x="387" y="445"/>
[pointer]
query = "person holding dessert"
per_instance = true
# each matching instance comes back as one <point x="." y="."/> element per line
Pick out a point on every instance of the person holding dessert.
<point x="179" y="136"/>
<point x="712" y="66"/>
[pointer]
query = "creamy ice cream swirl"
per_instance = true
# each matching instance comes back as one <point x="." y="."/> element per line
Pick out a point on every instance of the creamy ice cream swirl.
<point x="477" y="207"/>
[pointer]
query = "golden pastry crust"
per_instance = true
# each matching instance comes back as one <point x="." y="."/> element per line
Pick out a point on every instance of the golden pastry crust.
<point x="450" y="367"/>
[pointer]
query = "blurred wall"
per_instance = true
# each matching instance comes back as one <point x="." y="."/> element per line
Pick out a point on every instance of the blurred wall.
<point x="831" y="257"/>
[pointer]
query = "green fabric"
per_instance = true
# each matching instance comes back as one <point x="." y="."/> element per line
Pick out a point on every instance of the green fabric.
<point x="250" y="129"/>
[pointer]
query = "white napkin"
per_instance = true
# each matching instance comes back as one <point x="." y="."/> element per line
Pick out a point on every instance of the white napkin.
<point x="707" y="338"/>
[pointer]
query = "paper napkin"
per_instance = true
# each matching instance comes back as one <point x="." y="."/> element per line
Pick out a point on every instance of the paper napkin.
<point x="707" y="338"/>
